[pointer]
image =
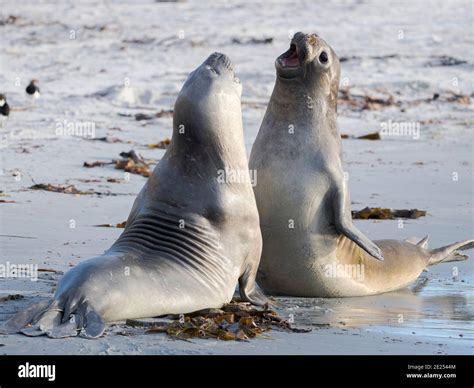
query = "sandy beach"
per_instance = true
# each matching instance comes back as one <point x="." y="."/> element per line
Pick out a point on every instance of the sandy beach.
<point x="100" y="64"/>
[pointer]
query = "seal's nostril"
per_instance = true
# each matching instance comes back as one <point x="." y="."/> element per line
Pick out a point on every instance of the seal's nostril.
<point x="312" y="39"/>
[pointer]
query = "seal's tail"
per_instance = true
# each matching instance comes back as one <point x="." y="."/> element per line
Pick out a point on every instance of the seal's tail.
<point x="49" y="318"/>
<point x="450" y="252"/>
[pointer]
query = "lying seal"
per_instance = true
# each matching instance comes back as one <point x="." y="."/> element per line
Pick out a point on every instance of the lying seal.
<point x="310" y="246"/>
<point x="189" y="237"/>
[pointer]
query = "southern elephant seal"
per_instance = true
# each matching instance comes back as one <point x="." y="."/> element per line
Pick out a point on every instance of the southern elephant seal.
<point x="310" y="245"/>
<point x="189" y="238"/>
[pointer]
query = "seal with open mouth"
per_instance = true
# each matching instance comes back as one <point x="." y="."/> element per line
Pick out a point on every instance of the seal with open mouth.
<point x="310" y="245"/>
<point x="189" y="238"/>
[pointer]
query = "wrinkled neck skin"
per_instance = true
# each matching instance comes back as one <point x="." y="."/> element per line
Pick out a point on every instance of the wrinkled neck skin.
<point x="209" y="150"/>
<point x="309" y="107"/>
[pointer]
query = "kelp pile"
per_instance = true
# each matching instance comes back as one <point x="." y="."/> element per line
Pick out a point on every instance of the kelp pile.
<point x="379" y="213"/>
<point x="236" y="321"/>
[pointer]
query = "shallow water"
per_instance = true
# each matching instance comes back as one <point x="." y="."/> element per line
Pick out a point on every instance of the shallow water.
<point x="437" y="309"/>
<point x="128" y="58"/>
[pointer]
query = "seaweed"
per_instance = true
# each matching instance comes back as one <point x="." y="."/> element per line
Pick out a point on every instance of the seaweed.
<point x="120" y="225"/>
<point x="130" y="162"/>
<point x="368" y="136"/>
<point x="378" y="213"/>
<point x="65" y="189"/>
<point x="235" y="321"/>
<point x="161" y="145"/>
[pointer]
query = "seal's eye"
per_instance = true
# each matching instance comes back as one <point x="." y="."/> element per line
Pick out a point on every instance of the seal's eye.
<point x="323" y="57"/>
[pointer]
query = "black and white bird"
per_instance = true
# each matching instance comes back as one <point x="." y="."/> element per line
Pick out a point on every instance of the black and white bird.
<point x="33" y="90"/>
<point x="4" y="108"/>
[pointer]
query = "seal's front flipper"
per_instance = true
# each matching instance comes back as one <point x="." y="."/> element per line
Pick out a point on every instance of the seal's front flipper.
<point x="345" y="226"/>
<point x="24" y="318"/>
<point x="253" y="294"/>
<point x="56" y="319"/>
<point x="64" y="330"/>
<point x="77" y="319"/>
<point x="94" y="325"/>
<point x="50" y="318"/>
<point x="248" y="288"/>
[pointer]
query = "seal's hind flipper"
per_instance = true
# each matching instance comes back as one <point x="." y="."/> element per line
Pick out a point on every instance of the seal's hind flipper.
<point x="422" y="243"/>
<point x="450" y="252"/>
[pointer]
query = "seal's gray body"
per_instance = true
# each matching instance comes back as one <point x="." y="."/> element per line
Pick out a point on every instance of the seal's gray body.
<point x="302" y="196"/>
<point x="189" y="237"/>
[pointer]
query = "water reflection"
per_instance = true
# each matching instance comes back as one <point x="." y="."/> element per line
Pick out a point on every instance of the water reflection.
<point x="425" y="309"/>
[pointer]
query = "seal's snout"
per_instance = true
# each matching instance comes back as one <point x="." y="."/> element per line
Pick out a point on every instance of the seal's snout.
<point x="300" y="50"/>
<point x="218" y="62"/>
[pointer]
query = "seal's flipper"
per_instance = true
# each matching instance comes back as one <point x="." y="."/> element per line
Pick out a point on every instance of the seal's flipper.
<point x="423" y="242"/>
<point x="254" y="295"/>
<point x="450" y="252"/>
<point x="63" y="330"/>
<point x="94" y="325"/>
<point x="344" y="225"/>
<point x="32" y="331"/>
<point x="24" y="318"/>
<point x="250" y="292"/>
<point x="248" y="288"/>
<point x="81" y="319"/>
<point x="49" y="318"/>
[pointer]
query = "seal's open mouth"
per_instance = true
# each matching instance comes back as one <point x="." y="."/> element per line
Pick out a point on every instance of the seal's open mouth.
<point x="291" y="63"/>
<point x="290" y="58"/>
